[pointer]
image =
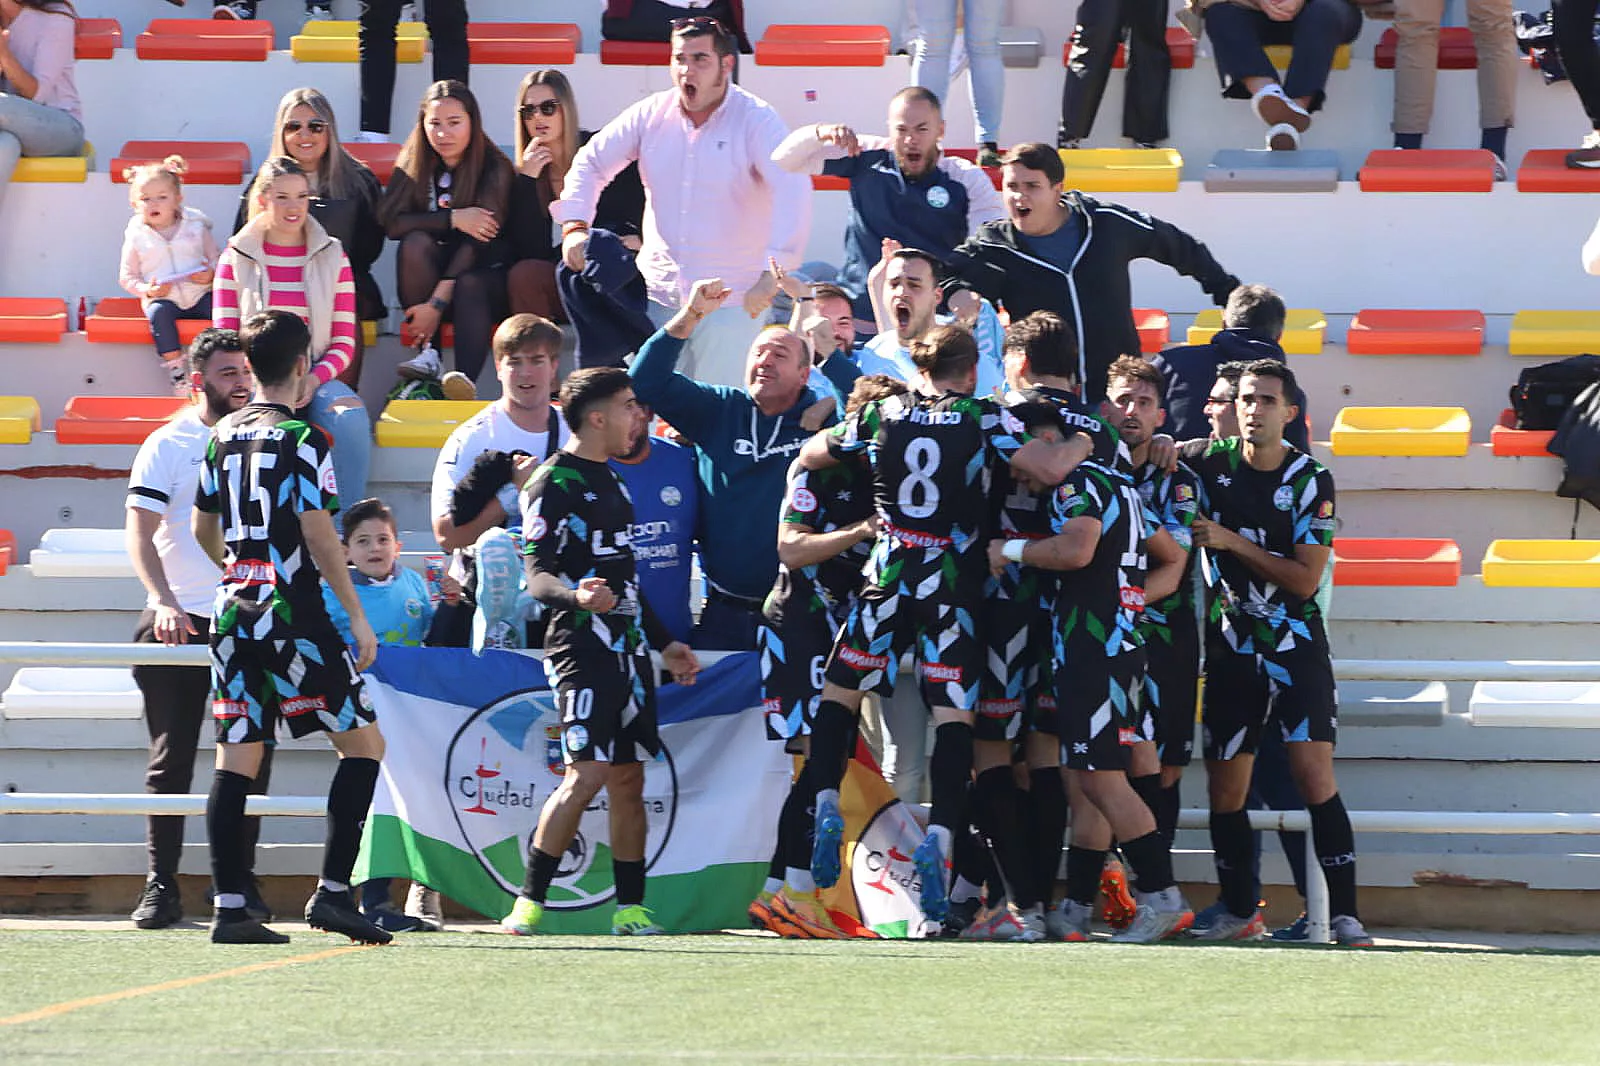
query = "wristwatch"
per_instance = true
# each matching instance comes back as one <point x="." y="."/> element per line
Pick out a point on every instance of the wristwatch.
<point x="438" y="304"/>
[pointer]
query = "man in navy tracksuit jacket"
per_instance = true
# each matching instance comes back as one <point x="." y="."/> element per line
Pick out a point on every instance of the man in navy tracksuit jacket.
<point x="901" y="187"/>
<point x="744" y="440"/>
<point x="1066" y="252"/>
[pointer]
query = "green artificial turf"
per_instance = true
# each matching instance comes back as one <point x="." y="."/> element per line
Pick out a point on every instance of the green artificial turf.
<point x="735" y="999"/>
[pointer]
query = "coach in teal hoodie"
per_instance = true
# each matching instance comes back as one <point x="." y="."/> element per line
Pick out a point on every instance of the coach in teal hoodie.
<point x="744" y="441"/>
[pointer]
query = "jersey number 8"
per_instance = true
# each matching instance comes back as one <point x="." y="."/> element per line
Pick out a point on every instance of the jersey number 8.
<point x="919" y="496"/>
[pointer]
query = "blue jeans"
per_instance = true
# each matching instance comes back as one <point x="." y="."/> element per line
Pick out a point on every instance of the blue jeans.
<point x="30" y="129"/>
<point x="352" y="437"/>
<point x="164" y="316"/>
<point x="930" y="63"/>
<point x="1239" y="36"/>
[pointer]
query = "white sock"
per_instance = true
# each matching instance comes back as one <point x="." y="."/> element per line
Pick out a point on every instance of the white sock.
<point x="332" y="886"/>
<point x="797" y="880"/>
<point x="228" y="900"/>
<point x="773" y="885"/>
<point x="831" y="794"/>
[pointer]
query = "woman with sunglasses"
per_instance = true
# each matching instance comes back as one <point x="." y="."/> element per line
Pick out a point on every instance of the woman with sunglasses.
<point x="547" y="139"/>
<point x="344" y="198"/>
<point x="283" y="260"/>
<point x="447" y="204"/>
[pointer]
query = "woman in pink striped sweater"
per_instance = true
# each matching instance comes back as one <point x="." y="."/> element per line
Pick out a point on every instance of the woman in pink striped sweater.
<point x="283" y="260"/>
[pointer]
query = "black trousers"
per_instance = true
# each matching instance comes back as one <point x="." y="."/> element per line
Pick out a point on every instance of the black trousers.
<point x="177" y="701"/>
<point x="447" y="26"/>
<point x="1100" y="27"/>
<point x="1574" y="28"/>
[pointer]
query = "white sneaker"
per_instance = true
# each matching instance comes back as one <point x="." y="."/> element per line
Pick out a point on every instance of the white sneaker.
<point x="1161" y="915"/>
<point x="370" y="137"/>
<point x="319" y="13"/>
<point x="1069" y="921"/>
<point x="1349" y="932"/>
<point x="424" y="366"/>
<point x="422" y="903"/>
<point x="1230" y="926"/>
<point x="1032" y="921"/>
<point x="232" y="12"/>
<point x="408" y="12"/>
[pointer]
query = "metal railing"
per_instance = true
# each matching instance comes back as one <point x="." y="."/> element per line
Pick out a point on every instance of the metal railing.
<point x="1506" y="823"/>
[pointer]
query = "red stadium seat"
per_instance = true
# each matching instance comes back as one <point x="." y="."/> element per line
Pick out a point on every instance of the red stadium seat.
<point x="210" y="162"/>
<point x="379" y="158"/>
<point x="1428" y="170"/>
<point x="249" y="41"/>
<point x="32" y="321"/>
<point x="1180" y="45"/>
<point x="115" y="419"/>
<point x="1376" y="332"/>
<point x="1395" y="561"/>
<point x="794" y="45"/>
<point x="1546" y="170"/>
<point x="635" y="53"/>
<point x="120" y="320"/>
<point x="829" y="183"/>
<point x="1506" y="439"/>
<point x="524" y="43"/>
<point x="1457" y="51"/>
<point x="97" y="38"/>
<point x="8" y="549"/>
<point x="1155" y="329"/>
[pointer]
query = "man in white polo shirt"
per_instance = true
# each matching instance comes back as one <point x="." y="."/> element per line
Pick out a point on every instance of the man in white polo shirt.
<point x="181" y="583"/>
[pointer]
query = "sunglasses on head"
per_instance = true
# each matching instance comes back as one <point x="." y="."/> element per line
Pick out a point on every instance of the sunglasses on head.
<point x="543" y="107"/>
<point x="316" y="125"/>
<point x="697" y="23"/>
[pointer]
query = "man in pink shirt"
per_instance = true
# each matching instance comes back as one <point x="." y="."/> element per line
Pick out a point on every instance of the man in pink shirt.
<point x="716" y="206"/>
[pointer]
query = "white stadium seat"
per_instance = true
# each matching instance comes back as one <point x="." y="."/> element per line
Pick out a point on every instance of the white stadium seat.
<point x="1550" y="704"/>
<point x="73" y="692"/>
<point x="81" y="553"/>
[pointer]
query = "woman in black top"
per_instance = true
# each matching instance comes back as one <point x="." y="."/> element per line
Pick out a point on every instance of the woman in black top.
<point x="344" y="198"/>
<point x="446" y="204"/>
<point x="547" y="140"/>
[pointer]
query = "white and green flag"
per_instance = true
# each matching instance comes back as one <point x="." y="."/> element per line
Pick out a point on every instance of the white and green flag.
<point x="473" y="750"/>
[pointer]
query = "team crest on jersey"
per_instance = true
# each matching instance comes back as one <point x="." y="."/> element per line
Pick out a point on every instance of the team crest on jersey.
<point x="938" y="197"/>
<point x="1283" y="498"/>
<point x="671" y="496"/>
<point x="329" y="485"/>
<point x="805" y="501"/>
<point x="1184" y="493"/>
<point x="1326" y="510"/>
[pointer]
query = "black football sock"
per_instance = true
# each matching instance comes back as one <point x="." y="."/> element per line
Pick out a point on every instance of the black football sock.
<point x="1083" y="874"/>
<point x="542" y="869"/>
<point x="1151" y="862"/>
<point x="629" y="875"/>
<point x="230" y="877"/>
<point x="1335" y="842"/>
<point x="349" y="798"/>
<point x="1234" y="848"/>
<point x="831" y="730"/>
<point x="797" y="822"/>
<point x="1047" y="829"/>
<point x="994" y="811"/>
<point x="1148" y="788"/>
<point x="1167" y="815"/>
<point x="949" y="771"/>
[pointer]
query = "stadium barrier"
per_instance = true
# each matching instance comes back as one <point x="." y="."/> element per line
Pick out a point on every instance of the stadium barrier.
<point x="1501" y="823"/>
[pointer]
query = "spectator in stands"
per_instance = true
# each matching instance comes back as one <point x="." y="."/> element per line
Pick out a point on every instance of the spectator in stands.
<point x="1416" y="25"/>
<point x="380" y="19"/>
<point x="653" y="20"/>
<point x="930" y="61"/>
<point x="547" y="139"/>
<point x="901" y="187"/>
<point x="168" y="259"/>
<point x="745" y="439"/>
<point x="905" y="298"/>
<point x="661" y="478"/>
<point x="446" y="204"/>
<point x="1066" y="252"/>
<point x="344" y="199"/>
<point x="1252" y="325"/>
<point x="39" y="110"/>
<point x="316" y="10"/>
<point x="1573" y="23"/>
<point x="283" y="260"/>
<point x="716" y="205"/>
<point x="180" y="584"/>
<point x="1240" y="30"/>
<point x="526" y="350"/>
<point x="1095" y="39"/>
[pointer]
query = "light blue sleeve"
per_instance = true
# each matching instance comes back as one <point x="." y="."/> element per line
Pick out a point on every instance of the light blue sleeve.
<point x="991" y="352"/>
<point x="336" y="612"/>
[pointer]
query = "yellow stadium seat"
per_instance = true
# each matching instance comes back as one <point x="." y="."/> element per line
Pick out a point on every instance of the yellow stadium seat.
<point x="1302" y="332"/>
<point x="1543" y="563"/>
<point x="1408" y="431"/>
<point x="423" y="423"/>
<point x="56" y="168"/>
<point x="1555" y="333"/>
<point x="1280" y="54"/>
<point x="1122" y="169"/>
<point x="340" y="42"/>
<point x="19" y="419"/>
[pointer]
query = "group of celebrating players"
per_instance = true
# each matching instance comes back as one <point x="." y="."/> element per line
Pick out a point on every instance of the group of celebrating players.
<point x="1039" y="560"/>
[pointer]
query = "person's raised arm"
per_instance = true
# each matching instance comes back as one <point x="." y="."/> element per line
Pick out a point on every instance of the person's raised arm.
<point x="608" y="153"/>
<point x="808" y="149"/>
<point x="983" y="199"/>
<point x="791" y="193"/>
<point x="1166" y="243"/>
<point x="689" y="405"/>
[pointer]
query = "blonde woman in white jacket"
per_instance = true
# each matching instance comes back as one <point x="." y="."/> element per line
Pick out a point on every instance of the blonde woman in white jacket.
<point x="168" y="256"/>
